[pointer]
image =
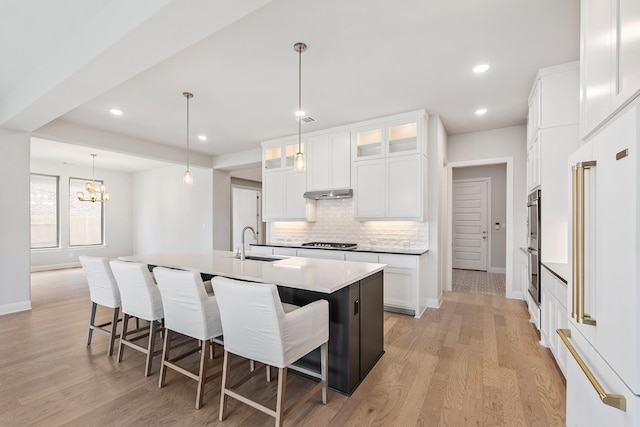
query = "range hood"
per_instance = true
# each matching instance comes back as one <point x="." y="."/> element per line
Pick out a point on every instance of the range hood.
<point x="344" y="193"/>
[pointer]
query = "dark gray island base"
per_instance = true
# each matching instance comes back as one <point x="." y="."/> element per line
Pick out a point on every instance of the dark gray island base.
<point x="356" y="334"/>
<point x="354" y="291"/>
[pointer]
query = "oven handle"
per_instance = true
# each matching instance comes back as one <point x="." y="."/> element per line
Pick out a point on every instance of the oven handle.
<point x="616" y="400"/>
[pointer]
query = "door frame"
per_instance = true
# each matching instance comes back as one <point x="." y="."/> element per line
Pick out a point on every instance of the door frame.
<point x="486" y="179"/>
<point x="261" y="231"/>
<point x="510" y="292"/>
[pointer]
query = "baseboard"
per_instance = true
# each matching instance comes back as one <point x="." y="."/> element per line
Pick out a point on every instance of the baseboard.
<point x="500" y="270"/>
<point x="434" y="302"/>
<point x="515" y="295"/>
<point x="15" y="307"/>
<point x="55" y="266"/>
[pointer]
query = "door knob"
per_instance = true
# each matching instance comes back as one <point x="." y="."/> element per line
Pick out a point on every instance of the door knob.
<point x="484" y="237"/>
<point x="484" y="232"/>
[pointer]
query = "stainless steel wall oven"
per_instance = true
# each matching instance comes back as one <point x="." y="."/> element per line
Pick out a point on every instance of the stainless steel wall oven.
<point x="533" y="245"/>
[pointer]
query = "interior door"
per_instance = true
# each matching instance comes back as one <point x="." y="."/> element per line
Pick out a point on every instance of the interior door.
<point x="246" y="211"/>
<point x="470" y="227"/>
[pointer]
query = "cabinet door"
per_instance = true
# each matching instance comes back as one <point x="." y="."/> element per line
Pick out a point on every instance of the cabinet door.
<point x="321" y="253"/>
<point x="399" y="288"/>
<point x="369" y="197"/>
<point x="402" y="137"/>
<point x="628" y="39"/>
<point x="368" y="142"/>
<point x="404" y="189"/>
<point x="340" y="160"/>
<point x="533" y="120"/>
<point x="615" y="248"/>
<point x="273" y="199"/>
<point x="596" y="62"/>
<point x="294" y="202"/>
<point x="318" y="163"/>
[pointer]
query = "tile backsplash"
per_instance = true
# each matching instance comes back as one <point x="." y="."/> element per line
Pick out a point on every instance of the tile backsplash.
<point x="335" y="223"/>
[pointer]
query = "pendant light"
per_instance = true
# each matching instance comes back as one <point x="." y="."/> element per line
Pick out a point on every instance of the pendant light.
<point x="299" y="162"/>
<point x="187" y="178"/>
<point x="95" y="195"/>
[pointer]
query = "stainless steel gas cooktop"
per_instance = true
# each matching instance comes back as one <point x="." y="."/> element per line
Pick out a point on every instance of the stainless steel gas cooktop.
<point x="330" y="245"/>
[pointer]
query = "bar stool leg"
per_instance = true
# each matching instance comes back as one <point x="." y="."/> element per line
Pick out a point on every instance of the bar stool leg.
<point x="92" y="321"/>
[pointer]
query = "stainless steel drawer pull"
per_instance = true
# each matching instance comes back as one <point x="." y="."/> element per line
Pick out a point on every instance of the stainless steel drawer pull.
<point x="616" y="400"/>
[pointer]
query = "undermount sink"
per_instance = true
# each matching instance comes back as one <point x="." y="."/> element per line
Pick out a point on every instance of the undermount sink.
<point x="261" y="258"/>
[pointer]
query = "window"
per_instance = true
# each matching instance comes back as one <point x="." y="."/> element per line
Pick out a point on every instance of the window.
<point x="85" y="218"/>
<point x="44" y="211"/>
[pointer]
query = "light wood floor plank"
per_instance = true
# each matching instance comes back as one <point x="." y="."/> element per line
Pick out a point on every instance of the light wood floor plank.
<point x="475" y="361"/>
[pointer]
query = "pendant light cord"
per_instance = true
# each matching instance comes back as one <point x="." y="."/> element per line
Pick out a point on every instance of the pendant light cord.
<point x="299" y="99"/>
<point x="188" y="97"/>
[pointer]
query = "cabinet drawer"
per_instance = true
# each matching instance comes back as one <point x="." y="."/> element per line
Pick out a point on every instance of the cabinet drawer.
<point x="285" y="251"/>
<point x="361" y="257"/>
<point x="321" y="253"/>
<point x="399" y="261"/>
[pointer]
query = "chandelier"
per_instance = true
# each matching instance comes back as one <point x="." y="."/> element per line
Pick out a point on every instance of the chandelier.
<point x="95" y="195"/>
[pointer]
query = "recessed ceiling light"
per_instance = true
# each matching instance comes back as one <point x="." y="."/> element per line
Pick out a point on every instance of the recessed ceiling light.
<point x="481" y="111"/>
<point x="202" y="137"/>
<point x="480" y="68"/>
<point x="115" y="112"/>
<point x="300" y="113"/>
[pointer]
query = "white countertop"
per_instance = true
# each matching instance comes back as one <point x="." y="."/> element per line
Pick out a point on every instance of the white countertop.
<point x="319" y="275"/>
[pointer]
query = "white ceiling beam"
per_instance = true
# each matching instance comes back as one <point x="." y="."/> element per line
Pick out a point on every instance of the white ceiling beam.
<point x="126" y="38"/>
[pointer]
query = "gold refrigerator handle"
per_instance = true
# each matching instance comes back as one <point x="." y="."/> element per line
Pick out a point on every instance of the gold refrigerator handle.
<point x="615" y="400"/>
<point x="578" y="290"/>
<point x="574" y="246"/>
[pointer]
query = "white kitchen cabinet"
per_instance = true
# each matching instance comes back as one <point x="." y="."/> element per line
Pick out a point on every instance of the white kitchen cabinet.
<point x="533" y="119"/>
<point x="369" y="180"/>
<point x="321" y="253"/>
<point x="610" y="53"/>
<point x="405" y="186"/>
<point x="390" y="137"/>
<point x="329" y="161"/>
<point x="261" y="250"/>
<point x="390" y="188"/>
<point x="553" y="316"/>
<point x="283" y="197"/>
<point x="533" y="163"/>
<point x="556" y="145"/>
<point x="285" y="251"/>
<point x="404" y="277"/>
<point x="282" y="187"/>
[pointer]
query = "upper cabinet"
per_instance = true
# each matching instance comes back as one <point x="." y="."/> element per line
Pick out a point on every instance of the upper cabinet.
<point x="389" y="138"/>
<point x="329" y="161"/>
<point x="553" y="103"/>
<point x="383" y="160"/>
<point x="283" y="188"/>
<point x="279" y="155"/>
<point x="610" y="56"/>
<point x="390" y="168"/>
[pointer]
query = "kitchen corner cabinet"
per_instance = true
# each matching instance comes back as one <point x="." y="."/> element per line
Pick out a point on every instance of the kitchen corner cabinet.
<point x="329" y="161"/>
<point x="610" y="54"/>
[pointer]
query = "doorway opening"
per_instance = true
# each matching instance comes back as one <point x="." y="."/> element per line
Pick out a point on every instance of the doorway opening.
<point x="480" y="227"/>
<point x="246" y="210"/>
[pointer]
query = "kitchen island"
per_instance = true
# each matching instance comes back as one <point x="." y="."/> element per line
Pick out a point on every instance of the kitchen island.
<point x="354" y="291"/>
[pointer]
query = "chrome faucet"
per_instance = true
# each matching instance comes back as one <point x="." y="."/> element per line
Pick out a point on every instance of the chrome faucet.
<point x="255" y="236"/>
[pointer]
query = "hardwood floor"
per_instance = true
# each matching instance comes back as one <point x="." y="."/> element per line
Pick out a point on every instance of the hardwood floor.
<point x="476" y="361"/>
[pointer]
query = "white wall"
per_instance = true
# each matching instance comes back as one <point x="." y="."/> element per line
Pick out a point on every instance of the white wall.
<point x="15" y="288"/>
<point x="221" y="210"/>
<point x="436" y="193"/>
<point x="169" y="215"/>
<point x="498" y="238"/>
<point x="118" y="217"/>
<point x="507" y="142"/>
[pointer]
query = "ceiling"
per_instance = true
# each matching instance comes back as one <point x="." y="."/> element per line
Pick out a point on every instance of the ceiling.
<point x="365" y="59"/>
